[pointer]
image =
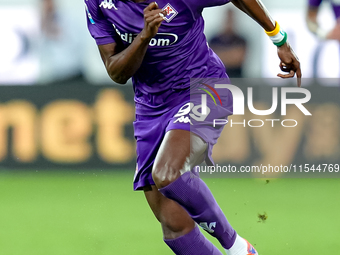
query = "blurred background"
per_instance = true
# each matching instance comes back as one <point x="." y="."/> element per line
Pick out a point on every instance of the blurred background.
<point x="47" y="41"/>
<point x="67" y="152"/>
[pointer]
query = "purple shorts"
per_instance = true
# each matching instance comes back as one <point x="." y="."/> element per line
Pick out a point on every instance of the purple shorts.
<point x="150" y="130"/>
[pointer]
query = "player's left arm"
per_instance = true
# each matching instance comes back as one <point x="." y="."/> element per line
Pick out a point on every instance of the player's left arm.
<point x="289" y="61"/>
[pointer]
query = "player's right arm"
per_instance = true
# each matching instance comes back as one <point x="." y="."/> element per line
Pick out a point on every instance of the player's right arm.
<point x="121" y="65"/>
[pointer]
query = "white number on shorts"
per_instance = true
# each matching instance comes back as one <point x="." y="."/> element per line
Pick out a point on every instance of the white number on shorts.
<point x="185" y="109"/>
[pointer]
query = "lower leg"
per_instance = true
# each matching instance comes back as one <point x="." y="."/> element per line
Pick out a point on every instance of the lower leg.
<point x="175" y="221"/>
<point x="193" y="195"/>
<point x="193" y="243"/>
<point x="181" y="151"/>
<point x="180" y="232"/>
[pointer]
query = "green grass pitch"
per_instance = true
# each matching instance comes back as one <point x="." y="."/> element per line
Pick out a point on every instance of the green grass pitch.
<point x="97" y="213"/>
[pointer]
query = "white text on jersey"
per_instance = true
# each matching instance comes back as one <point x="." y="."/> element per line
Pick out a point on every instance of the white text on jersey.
<point x="161" y="39"/>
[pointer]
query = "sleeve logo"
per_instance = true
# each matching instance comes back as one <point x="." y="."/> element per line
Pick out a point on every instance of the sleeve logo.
<point x="89" y="15"/>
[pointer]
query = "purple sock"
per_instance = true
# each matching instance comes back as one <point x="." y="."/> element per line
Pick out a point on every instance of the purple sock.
<point x="194" y="195"/>
<point x="193" y="243"/>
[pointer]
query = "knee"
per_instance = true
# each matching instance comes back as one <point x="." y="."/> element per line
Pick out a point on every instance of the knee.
<point x="165" y="174"/>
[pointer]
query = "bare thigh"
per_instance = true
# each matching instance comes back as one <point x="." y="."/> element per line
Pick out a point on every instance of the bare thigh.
<point x="179" y="152"/>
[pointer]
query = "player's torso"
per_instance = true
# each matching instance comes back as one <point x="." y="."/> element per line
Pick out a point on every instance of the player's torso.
<point x="178" y="52"/>
<point x="128" y="21"/>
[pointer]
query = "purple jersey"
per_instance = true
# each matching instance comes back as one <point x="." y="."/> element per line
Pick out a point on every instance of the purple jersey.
<point x="335" y="5"/>
<point x="177" y="53"/>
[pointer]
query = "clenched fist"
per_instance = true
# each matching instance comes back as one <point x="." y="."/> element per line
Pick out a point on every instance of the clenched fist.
<point x="153" y="17"/>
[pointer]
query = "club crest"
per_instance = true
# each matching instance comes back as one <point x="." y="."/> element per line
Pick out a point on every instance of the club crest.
<point x="171" y="13"/>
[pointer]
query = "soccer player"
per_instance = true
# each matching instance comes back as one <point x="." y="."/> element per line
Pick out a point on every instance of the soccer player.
<point x="162" y="47"/>
<point x="313" y="26"/>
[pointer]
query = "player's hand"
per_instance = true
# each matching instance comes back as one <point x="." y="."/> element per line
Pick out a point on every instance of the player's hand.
<point x="153" y="17"/>
<point x="289" y="63"/>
